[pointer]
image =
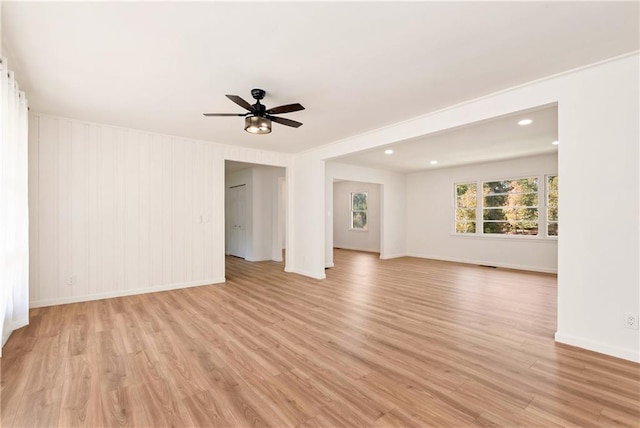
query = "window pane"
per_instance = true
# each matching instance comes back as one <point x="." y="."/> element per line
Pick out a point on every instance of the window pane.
<point x="466" y="214"/>
<point x="511" y="200"/>
<point x="359" y="220"/>
<point x="552" y="214"/>
<point x="466" y="227"/>
<point x="514" y="228"/>
<point x="510" y="214"/>
<point x="522" y="185"/>
<point x="552" y="229"/>
<point x="358" y="202"/>
<point x="466" y="195"/>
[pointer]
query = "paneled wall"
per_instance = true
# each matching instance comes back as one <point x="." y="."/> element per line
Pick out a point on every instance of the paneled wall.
<point x="116" y="211"/>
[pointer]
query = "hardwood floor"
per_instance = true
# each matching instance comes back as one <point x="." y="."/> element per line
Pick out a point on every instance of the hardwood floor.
<point x="402" y="342"/>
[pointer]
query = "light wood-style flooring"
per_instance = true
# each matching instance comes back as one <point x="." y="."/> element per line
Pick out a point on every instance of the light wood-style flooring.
<point x="403" y="342"/>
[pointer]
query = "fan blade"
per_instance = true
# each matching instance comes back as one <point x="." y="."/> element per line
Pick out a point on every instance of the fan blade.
<point x="242" y="103"/>
<point x="283" y="121"/>
<point x="224" y="114"/>
<point x="285" y="109"/>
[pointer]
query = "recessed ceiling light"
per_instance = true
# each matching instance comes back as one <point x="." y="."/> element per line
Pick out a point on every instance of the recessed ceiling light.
<point x="525" y="122"/>
<point x="388" y="152"/>
<point x="555" y="143"/>
<point x="434" y="162"/>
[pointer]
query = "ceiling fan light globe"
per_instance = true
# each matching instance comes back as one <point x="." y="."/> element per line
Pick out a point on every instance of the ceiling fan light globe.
<point x="257" y="125"/>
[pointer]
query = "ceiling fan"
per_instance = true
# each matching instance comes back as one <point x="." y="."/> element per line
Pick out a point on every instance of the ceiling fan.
<point x="258" y="118"/>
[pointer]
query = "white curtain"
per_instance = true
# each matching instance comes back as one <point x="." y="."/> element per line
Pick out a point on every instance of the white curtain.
<point x="14" y="210"/>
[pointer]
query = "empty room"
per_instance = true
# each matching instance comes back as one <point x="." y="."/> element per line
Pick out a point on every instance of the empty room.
<point x="319" y="214"/>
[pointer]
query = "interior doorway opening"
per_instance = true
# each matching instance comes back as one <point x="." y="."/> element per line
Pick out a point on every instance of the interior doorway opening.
<point x="255" y="211"/>
<point x="357" y="214"/>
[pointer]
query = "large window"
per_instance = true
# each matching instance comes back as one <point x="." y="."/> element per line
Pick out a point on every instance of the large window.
<point x="358" y="211"/>
<point x="552" y="205"/>
<point x="511" y="206"/>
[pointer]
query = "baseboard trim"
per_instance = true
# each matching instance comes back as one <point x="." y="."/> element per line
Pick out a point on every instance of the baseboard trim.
<point x="366" y="250"/>
<point x="392" y="256"/>
<point x="329" y="265"/>
<point x="602" y="348"/>
<point x="305" y="273"/>
<point x="485" y="262"/>
<point x="122" y="293"/>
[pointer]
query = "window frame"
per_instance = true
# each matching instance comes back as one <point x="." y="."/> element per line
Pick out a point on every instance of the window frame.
<point x="542" y="194"/>
<point x="352" y="211"/>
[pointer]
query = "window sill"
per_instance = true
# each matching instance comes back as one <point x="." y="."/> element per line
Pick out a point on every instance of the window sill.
<point x="358" y="230"/>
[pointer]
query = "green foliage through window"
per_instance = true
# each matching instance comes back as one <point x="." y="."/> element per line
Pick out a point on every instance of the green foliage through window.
<point x="552" y="205"/>
<point x="507" y="207"/>
<point x="359" y="210"/>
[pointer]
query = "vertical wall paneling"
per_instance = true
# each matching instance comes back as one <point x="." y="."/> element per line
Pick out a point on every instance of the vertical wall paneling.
<point x="64" y="208"/>
<point x="131" y="211"/>
<point x="143" y="210"/>
<point x="156" y="214"/>
<point x="116" y="211"/>
<point x="92" y="210"/>
<point x="77" y="275"/>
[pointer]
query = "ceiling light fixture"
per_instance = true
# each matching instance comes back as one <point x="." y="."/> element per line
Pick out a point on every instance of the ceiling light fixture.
<point x="525" y="122"/>
<point x="257" y="125"/>
<point x="434" y="162"/>
<point x="555" y="143"/>
<point x="388" y="152"/>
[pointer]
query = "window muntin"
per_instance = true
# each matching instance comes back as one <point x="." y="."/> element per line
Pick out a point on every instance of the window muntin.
<point x="359" y="211"/>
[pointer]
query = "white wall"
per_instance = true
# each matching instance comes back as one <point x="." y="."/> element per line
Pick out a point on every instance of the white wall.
<point x="432" y="211"/>
<point x="392" y="206"/>
<point x="266" y="200"/>
<point x="239" y="178"/>
<point x="598" y="267"/>
<point x="118" y="210"/>
<point x="343" y="235"/>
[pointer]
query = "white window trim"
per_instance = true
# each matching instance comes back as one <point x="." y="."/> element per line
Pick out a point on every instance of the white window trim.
<point x="479" y="233"/>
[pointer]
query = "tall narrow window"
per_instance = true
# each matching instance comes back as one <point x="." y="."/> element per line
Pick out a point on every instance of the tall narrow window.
<point x="510" y="207"/>
<point x="466" y="202"/>
<point x="552" y="205"/>
<point x="358" y="211"/>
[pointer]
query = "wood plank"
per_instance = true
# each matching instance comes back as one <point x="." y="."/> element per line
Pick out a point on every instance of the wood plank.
<point x="415" y="343"/>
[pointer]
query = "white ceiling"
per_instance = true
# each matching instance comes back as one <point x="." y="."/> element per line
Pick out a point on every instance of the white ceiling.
<point x="489" y="140"/>
<point x="355" y="66"/>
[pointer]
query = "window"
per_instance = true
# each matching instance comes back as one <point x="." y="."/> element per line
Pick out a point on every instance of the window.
<point x="552" y="205"/>
<point x="358" y="211"/>
<point x="511" y="206"/>
<point x="466" y="203"/>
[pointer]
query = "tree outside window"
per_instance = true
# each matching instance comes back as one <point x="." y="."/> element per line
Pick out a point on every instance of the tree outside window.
<point x="358" y="211"/>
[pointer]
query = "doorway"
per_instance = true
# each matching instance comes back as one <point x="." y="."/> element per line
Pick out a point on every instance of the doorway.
<point x="236" y="221"/>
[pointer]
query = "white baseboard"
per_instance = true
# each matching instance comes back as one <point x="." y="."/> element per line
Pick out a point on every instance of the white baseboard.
<point x="484" y="262"/>
<point x="305" y="273"/>
<point x="392" y="256"/>
<point x="121" y="293"/>
<point x="366" y="250"/>
<point x="603" y="348"/>
<point x="329" y="265"/>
